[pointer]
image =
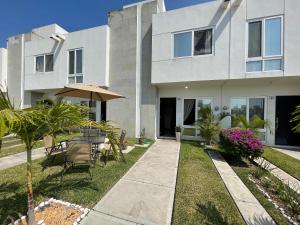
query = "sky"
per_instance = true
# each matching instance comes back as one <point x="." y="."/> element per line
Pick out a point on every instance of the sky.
<point x="22" y="16"/>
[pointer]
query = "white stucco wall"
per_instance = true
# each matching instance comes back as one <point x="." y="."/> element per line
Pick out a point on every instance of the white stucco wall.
<point x="222" y="91"/>
<point x="3" y="68"/>
<point x="94" y="43"/>
<point x="228" y="60"/>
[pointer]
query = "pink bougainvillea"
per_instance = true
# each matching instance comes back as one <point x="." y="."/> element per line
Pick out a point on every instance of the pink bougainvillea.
<point x="241" y="143"/>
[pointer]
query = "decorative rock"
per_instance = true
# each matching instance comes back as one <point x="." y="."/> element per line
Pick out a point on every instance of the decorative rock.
<point x="40" y="222"/>
<point x="78" y="220"/>
<point x="23" y="218"/>
<point x="17" y="221"/>
<point x="75" y="223"/>
<point x="47" y="203"/>
<point x="42" y="204"/>
<point x="36" y="209"/>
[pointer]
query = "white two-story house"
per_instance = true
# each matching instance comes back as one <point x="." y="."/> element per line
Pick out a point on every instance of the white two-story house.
<point x="235" y="56"/>
<point x="238" y="56"/>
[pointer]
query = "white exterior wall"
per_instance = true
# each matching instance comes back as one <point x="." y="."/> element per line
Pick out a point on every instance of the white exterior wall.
<point x="222" y="91"/>
<point x="228" y="60"/>
<point x="3" y="68"/>
<point x="94" y="43"/>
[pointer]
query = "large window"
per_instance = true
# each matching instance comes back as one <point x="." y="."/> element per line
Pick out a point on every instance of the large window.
<point x="191" y="114"/>
<point x="44" y="63"/>
<point x="265" y="45"/>
<point x="193" y="43"/>
<point x="75" y="66"/>
<point x="248" y="107"/>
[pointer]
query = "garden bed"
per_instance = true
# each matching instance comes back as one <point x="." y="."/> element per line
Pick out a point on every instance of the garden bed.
<point x="257" y="180"/>
<point x="56" y="212"/>
<point x="275" y="193"/>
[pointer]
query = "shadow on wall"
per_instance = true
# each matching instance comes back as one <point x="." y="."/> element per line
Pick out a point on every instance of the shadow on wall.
<point x="220" y="25"/>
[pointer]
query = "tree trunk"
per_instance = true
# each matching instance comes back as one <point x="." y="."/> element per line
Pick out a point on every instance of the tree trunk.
<point x="31" y="216"/>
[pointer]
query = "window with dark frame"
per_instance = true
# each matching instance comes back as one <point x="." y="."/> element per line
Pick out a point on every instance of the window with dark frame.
<point x="49" y="63"/>
<point x="203" y="42"/>
<point x="189" y="111"/>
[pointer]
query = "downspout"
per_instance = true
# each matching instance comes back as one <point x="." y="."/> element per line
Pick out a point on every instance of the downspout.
<point x="138" y="71"/>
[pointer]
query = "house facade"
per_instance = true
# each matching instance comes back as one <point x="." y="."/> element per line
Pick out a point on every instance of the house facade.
<point x="237" y="56"/>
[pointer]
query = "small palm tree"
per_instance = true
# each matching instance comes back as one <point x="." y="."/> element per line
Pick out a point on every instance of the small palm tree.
<point x="60" y="116"/>
<point x="28" y="125"/>
<point x="209" y="124"/>
<point x="296" y="118"/>
<point x="32" y="124"/>
<point x="254" y="124"/>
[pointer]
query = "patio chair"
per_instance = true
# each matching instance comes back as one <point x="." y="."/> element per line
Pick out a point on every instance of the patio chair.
<point x="121" y="145"/>
<point x="52" y="149"/>
<point x="78" y="154"/>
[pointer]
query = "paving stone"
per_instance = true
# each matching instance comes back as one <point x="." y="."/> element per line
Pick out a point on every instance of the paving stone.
<point x="94" y="217"/>
<point x="292" y="153"/>
<point x="292" y="182"/>
<point x="19" y="158"/>
<point x="145" y="194"/>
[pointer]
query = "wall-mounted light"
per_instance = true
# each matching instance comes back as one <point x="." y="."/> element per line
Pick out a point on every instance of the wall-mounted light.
<point x="225" y="108"/>
<point x="217" y="108"/>
<point x="186" y="87"/>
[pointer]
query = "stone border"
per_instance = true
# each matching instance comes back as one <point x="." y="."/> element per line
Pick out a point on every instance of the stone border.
<point x="46" y="204"/>
<point x="266" y="194"/>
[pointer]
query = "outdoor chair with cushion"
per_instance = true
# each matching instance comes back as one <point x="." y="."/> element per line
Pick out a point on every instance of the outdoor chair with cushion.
<point x="78" y="154"/>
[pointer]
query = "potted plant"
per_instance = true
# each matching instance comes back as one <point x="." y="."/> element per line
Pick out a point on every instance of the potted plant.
<point x="141" y="139"/>
<point x="178" y="133"/>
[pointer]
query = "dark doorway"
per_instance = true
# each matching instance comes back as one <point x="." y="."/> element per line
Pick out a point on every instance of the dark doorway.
<point x="284" y="135"/>
<point x="103" y="111"/>
<point x="167" y="117"/>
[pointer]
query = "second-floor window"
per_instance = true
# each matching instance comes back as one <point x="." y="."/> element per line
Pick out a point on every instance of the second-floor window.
<point x="75" y="66"/>
<point x="265" y="51"/>
<point x="193" y="43"/>
<point x="44" y="63"/>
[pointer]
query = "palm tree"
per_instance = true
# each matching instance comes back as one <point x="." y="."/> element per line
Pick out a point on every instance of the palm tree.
<point x="32" y="124"/>
<point x="296" y="118"/>
<point x="28" y="125"/>
<point x="254" y="124"/>
<point x="209" y="124"/>
<point x="60" y="116"/>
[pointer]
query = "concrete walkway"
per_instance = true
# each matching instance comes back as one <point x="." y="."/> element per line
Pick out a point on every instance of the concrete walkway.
<point x="293" y="153"/>
<point x="19" y="158"/>
<point x="145" y="194"/>
<point x="292" y="182"/>
<point x="249" y="207"/>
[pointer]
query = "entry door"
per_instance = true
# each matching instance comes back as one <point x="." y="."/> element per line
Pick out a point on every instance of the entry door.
<point x="284" y="135"/>
<point x="167" y="117"/>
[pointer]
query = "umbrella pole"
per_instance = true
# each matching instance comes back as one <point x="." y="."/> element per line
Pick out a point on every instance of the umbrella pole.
<point x="90" y="105"/>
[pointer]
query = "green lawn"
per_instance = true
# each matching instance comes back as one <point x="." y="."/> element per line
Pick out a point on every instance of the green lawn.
<point x="201" y="196"/>
<point x="21" y="148"/>
<point x="243" y="172"/>
<point x="283" y="161"/>
<point x="76" y="187"/>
